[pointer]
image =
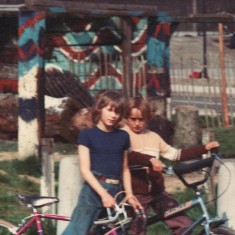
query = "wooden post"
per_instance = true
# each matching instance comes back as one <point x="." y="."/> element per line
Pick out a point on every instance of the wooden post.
<point x="194" y="10"/>
<point x="126" y="57"/>
<point x="48" y="175"/>
<point x="31" y="44"/>
<point x="223" y="78"/>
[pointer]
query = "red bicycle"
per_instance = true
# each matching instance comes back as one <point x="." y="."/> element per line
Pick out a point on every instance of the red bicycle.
<point x="117" y="221"/>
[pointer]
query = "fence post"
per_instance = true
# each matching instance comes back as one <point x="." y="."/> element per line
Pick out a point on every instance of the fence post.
<point x="187" y="131"/>
<point x="223" y="79"/>
<point x="48" y="175"/>
<point x="70" y="183"/>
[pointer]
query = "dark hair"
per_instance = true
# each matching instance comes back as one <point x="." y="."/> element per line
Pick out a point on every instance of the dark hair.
<point x="140" y="103"/>
<point x="104" y="99"/>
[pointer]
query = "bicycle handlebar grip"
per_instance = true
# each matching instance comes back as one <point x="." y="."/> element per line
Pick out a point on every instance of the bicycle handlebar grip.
<point x="184" y="168"/>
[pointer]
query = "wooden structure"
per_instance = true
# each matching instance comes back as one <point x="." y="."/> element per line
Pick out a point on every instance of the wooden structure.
<point x="31" y="43"/>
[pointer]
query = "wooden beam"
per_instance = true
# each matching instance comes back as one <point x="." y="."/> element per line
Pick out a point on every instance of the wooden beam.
<point x="126" y="58"/>
<point x="94" y="8"/>
<point x="77" y="4"/>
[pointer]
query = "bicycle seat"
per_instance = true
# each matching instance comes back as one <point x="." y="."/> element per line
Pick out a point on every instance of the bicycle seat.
<point x="36" y="201"/>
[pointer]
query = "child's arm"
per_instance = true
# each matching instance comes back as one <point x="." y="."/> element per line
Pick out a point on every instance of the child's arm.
<point x="88" y="176"/>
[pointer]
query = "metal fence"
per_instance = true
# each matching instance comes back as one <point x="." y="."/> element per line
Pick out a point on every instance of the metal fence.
<point x="189" y="86"/>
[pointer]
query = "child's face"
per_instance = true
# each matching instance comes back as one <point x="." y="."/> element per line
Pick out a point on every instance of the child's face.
<point x="109" y="116"/>
<point x="136" y="121"/>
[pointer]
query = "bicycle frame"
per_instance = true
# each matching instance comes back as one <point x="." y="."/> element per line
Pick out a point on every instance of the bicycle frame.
<point x="204" y="219"/>
<point x="36" y="218"/>
<point x="192" y="203"/>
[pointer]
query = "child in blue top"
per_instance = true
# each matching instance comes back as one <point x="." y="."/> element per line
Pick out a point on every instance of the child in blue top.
<point x="102" y="152"/>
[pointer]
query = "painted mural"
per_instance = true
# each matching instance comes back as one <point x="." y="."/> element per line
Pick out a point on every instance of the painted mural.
<point x="159" y="32"/>
<point x="90" y="49"/>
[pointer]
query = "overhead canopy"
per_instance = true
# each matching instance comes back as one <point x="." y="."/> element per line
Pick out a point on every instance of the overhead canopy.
<point x="181" y="11"/>
<point x="84" y="8"/>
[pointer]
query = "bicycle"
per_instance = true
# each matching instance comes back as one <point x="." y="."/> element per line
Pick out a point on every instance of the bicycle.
<point x="118" y="219"/>
<point x="216" y="225"/>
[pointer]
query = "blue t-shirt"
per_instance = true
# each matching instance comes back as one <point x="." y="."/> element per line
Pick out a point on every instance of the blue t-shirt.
<point x="106" y="149"/>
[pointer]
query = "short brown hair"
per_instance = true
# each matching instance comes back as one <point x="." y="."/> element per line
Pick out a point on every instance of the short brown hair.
<point x="140" y="103"/>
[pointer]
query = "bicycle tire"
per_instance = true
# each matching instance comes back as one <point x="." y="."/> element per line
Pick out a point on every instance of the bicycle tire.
<point x="223" y="230"/>
<point x="5" y="226"/>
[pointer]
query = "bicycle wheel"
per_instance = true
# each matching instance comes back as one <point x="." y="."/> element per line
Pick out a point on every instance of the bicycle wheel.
<point x="222" y="230"/>
<point x="5" y="226"/>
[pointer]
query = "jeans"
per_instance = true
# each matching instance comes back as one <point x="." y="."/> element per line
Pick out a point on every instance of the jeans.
<point x="88" y="209"/>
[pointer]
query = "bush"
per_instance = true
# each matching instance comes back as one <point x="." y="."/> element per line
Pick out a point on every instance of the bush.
<point x="226" y="137"/>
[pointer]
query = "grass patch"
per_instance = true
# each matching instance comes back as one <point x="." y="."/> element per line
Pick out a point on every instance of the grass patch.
<point x="30" y="166"/>
<point x="226" y="137"/>
<point x="8" y="146"/>
<point x="62" y="148"/>
<point x="13" y="180"/>
<point x="11" y="184"/>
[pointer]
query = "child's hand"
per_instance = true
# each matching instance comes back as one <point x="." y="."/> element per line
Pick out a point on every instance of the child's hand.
<point x="156" y="164"/>
<point x="132" y="200"/>
<point x="211" y="145"/>
<point x="108" y="200"/>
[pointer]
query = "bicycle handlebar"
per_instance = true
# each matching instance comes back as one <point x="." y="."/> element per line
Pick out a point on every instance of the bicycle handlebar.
<point x="185" y="168"/>
<point x="118" y="211"/>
